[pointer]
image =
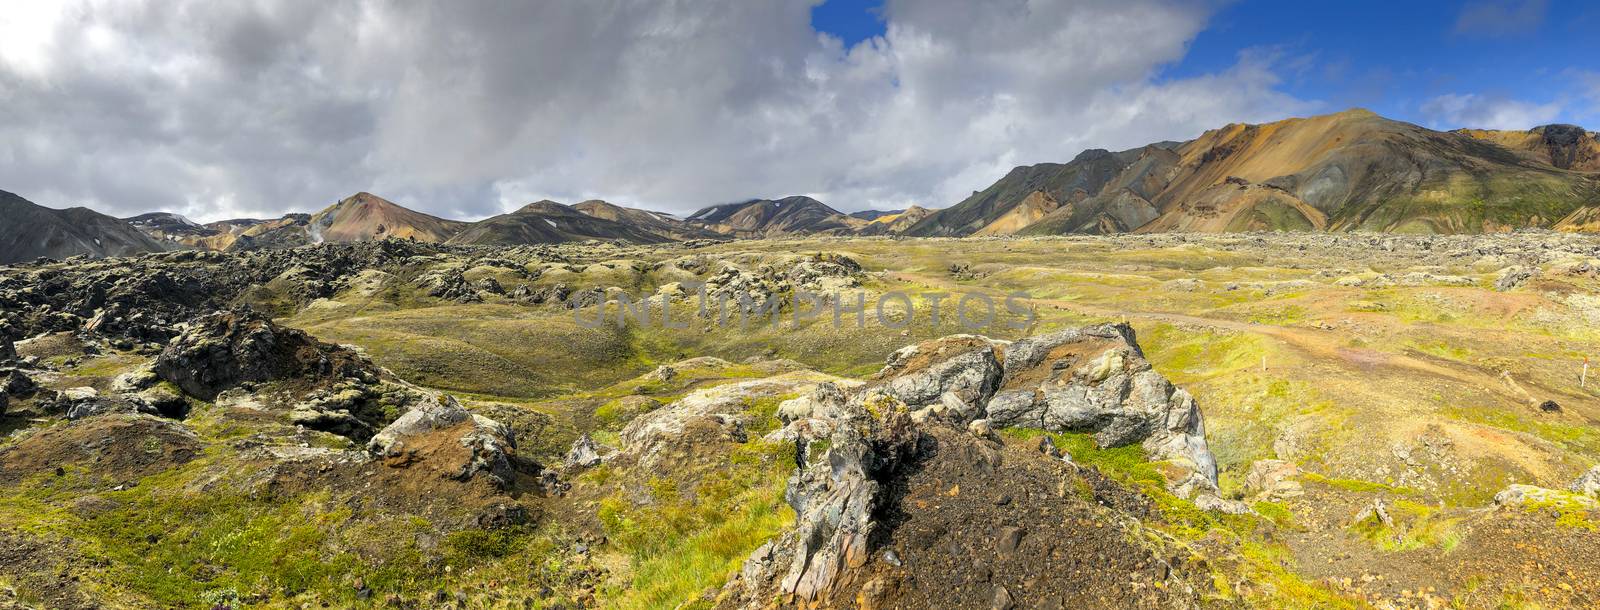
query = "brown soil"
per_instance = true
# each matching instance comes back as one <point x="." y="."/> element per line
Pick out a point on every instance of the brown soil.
<point x="1037" y="531"/>
<point x="114" y="448"/>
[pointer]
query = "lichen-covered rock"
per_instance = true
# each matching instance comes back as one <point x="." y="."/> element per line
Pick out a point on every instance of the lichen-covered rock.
<point x="1096" y="380"/>
<point x="1519" y="495"/>
<point x="956" y="374"/>
<point x="1587" y="483"/>
<point x="440" y="433"/>
<point x="835" y="501"/>
<point x="585" y="453"/>
<point x="222" y="350"/>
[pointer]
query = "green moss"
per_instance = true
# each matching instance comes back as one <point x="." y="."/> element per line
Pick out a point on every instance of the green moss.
<point x="681" y="544"/>
<point x="1356" y="485"/>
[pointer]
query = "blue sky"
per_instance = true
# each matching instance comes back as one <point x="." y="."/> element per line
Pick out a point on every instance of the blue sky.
<point x="1393" y="57"/>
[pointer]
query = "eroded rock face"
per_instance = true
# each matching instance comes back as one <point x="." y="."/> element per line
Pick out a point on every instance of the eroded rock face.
<point x="222" y="350"/>
<point x="441" y="434"/>
<point x="836" y="500"/>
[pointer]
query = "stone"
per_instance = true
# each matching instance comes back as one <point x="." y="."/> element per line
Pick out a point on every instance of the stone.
<point x="1274" y="478"/>
<point x="426" y="431"/>
<point x="584" y="454"/>
<point x="1006" y="539"/>
<point x="1588" y="483"/>
<point x="222" y="350"/>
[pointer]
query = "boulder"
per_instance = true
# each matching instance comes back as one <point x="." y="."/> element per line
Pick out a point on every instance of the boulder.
<point x="1274" y="479"/>
<point x="585" y="453"/>
<point x="1095" y="379"/>
<point x="1510" y="278"/>
<point x="439" y="433"/>
<point x="225" y="349"/>
<point x="1588" y="483"/>
<point x="954" y="375"/>
<point x="8" y="350"/>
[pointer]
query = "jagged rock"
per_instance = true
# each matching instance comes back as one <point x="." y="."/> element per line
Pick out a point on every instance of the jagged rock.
<point x="584" y="454"/>
<point x="834" y="501"/>
<point x="1378" y="513"/>
<point x="225" y="349"/>
<point x="1095" y="379"/>
<point x="824" y="273"/>
<point x="450" y="285"/>
<point x="8" y="350"/>
<point x="1588" y="483"/>
<point x="956" y="374"/>
<point x="1510" y="278"/>
<point x="460" y="444"/>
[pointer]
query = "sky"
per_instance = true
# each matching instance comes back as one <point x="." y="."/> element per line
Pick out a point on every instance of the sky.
<point x="464" y="110"/>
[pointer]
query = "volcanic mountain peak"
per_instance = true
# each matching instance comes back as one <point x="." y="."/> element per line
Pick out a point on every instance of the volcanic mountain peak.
<point x="768" y="217"/>
<point x="364" y="216"/>
<point x="547" y="222"/>
<point x="1350" y="170"/>
<point x="32" y="231"/>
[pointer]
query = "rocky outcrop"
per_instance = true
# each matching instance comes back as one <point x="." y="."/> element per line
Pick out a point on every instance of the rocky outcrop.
<point x="954" y="375"/>
<point x="1096" y="380"/>
<point x="836" y="501"/>
<point x="1093" y="379"/>
<point x="223" y="350"/>
<point x="441" y="434"/>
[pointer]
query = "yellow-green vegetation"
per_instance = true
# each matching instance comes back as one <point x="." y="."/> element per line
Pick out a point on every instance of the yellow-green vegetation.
<point x="1356" y="485"/>
<point x="678" y="544"/>
<point x="1415" y="526"/>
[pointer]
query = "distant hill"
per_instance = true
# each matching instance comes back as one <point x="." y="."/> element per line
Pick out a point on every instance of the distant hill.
<point x="360" y="217"/>
<point x="548" y="222"/>
<point x="657" y="223"/>
<point x="874" y="214"/>
<point x="1352" y="170"/>
<point x="31" y="231"/>
<point x="896" y="223"/>
<point x="771" y="218"/>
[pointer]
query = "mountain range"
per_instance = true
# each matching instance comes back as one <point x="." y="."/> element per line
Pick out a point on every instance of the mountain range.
<point x="1348" y="171"/>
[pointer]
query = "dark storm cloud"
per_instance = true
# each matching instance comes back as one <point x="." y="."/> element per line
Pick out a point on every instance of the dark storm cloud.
<point x="468" y="109"/>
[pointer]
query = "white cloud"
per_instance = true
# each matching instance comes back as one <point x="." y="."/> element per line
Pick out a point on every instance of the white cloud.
<point x="1455" y="110"/>
<point x="227" y="109"/>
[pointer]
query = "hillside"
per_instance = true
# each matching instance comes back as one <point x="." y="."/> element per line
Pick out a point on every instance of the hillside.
<point x="548" y="222"/>
<point x="895" y="223"/>
<point x="1563" y="146"/>
<point x="32" y="231"/>
<point x="1348" y="171"/>
<point x="769" y="218"/>
<point x="1065" y="183"/>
